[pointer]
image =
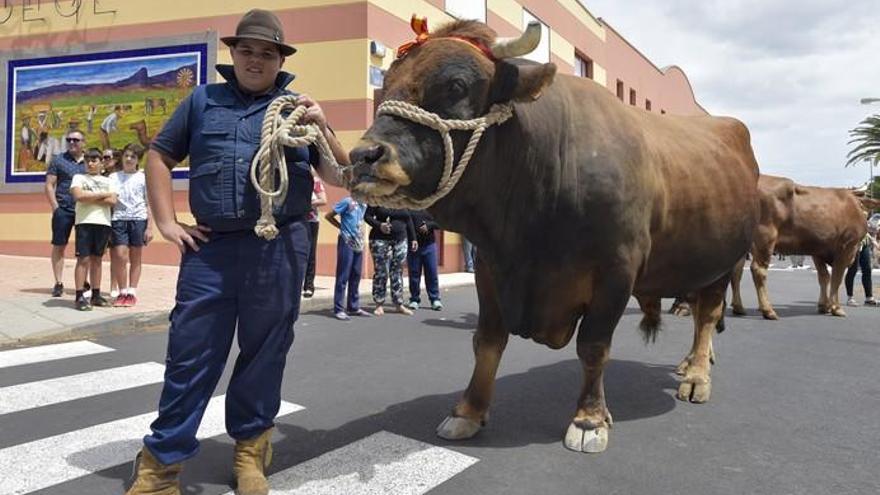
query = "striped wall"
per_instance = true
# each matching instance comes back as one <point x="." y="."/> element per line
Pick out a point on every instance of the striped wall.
<point x="332" y="65"/>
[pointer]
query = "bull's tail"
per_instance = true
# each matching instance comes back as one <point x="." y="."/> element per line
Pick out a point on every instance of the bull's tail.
<point x="650" y="324"/>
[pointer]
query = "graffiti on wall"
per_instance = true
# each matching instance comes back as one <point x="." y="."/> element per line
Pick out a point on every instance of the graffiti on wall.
<point x="113" y="98"/>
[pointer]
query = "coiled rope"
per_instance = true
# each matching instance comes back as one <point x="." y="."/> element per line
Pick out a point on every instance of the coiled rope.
<point x="270" y="163"/>
<point x="497" y="114"/>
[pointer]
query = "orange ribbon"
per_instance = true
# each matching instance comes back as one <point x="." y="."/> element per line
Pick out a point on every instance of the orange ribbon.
<point x="419" y="26"/>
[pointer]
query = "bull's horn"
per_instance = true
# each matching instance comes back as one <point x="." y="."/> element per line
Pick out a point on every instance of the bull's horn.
<point x="517" y="47"/>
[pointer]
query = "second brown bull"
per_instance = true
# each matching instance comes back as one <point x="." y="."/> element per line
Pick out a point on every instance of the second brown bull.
<point x="825" y="223"/>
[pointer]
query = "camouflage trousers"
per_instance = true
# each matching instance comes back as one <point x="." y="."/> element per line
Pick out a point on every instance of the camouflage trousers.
<point x="388" y="260"/>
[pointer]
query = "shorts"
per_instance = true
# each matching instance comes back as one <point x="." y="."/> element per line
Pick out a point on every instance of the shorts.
<point x="62" y="224"/>
<point x="128" y="233"/>
<point x="91" y="239"/>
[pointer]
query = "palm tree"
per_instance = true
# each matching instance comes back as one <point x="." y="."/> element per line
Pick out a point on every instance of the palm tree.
<point x="867" y="135"/>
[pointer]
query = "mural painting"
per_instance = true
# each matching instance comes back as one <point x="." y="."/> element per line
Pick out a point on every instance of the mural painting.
<point x="113" y="98"/>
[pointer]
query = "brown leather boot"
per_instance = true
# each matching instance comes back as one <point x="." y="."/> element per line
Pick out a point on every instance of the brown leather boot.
<point x="153" y="477"/>
<point x="252" y="457"/>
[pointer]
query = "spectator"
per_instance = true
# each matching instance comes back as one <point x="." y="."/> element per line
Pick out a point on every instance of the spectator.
<point x="863" y="262"/>
<point x="388" y="245"/>
<point x="469" y="251"/>
<point x="132" y="225"/>
<point x="59" y="176"/>
<point x="424" y="259"/>
<point x="95" y="195"/>
<point x="349" y="257"/>
<point x="319" y="198"/>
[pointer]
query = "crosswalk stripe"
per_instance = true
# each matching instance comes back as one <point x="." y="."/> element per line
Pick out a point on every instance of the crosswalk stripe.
<point x="56" y="390"/>
<point x="53" y="352"/>
<point x="381" y="463"/>
<point x="42" y="463"/>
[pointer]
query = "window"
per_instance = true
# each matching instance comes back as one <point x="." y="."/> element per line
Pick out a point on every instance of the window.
<point x="632" y="97"/>
<point x="542" y="52"/>
<point x="648" y="105"/>
<point x="583" y="66"/>
<point x="620" y="89"/>
<point x="467" y="9"/>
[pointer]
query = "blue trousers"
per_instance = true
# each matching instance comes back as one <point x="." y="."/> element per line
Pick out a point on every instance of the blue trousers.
<point x="863" y="262"/>
<point x="235" y="280"/>
<point x="423" y="260"/>
<point x="349" y="264"/>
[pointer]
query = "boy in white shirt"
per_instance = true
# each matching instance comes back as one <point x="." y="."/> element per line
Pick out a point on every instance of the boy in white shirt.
<point x="95" y="196"/>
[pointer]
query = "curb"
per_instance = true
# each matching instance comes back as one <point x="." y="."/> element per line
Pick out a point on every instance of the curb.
<point x="157" y="321"/>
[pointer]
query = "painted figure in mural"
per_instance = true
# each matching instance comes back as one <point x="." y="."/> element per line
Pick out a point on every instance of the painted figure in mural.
<point x="110" y="125"/>
<point x="90" y="117"/>
<point x="262" y="304"/>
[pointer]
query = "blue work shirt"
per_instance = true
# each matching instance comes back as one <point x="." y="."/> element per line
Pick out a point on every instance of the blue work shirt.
<point x="218" y="126"/>
<point x="64" y="167"/>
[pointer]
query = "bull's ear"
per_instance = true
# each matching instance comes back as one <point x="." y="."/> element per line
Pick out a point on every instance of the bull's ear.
<point x="520" y="82"/>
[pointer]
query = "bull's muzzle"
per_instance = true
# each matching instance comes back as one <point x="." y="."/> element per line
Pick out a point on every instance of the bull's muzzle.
<point x="375" y="169"/>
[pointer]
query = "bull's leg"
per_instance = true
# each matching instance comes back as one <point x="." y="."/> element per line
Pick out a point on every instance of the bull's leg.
<point x="588" y="431"/>
<point x="685" y="363"/>
<point x="824" y="305"/>
<point x="490" y="339"/>
<point x="760" y="264"/>
<point x="838" y="270"/>
<point x="696" y="385"/>
<point x="736" y="277"/>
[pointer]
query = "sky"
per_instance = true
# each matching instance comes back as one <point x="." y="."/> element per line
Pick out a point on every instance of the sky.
<point x="792" y="70"/>
<point x="105" y="71"/>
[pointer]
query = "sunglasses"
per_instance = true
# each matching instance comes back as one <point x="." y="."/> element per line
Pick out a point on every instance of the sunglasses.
<point x="73" y="140"/>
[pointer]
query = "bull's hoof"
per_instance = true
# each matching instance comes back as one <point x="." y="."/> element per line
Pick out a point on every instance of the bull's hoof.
<point x="580" y="438"/>
<point x="454" y="428"/>
<point x="738" y="310"/>
<point x="823" y="310"/>
<point x="682" y="311"/>
<point x="695" y="389"/>
<point x="770" y="315"/>
<point x="682" y="367"/>
<point x="838" y="312"/>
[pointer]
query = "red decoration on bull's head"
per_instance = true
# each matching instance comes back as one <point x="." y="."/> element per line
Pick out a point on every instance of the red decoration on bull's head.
<point x="419" y="26"/>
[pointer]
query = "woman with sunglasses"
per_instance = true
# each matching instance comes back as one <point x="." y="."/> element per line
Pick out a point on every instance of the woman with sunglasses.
<point x="131" y="225"/>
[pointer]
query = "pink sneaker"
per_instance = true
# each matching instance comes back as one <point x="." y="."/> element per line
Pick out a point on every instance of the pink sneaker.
<point x="120" y="301"/>
<point x="130" y="300"/>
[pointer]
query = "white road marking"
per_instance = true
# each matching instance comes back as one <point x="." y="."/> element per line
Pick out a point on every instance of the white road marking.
<point x="54" y="352"/>
<point x="56" y="390"/>
<point x="379" y="464"/>
<point x="42" y="463"/>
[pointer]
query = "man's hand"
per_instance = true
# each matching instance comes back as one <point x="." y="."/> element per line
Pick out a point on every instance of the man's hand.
<point x="423" y="228"/>
<point x="182" y="235"/>
<point x="314" y="114"/>
<point x="148" y="235"/>
<point x="385" y="227"/>
<point x="414" y="246"/>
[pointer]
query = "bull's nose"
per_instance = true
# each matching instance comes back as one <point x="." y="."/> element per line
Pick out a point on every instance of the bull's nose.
<point x="367" y="155"/>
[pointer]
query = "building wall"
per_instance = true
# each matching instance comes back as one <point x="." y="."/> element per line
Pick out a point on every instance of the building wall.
<point x="333" y="65"/>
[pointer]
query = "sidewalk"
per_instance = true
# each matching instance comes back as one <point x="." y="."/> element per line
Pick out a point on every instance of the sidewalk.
<point x="28" y="313"/>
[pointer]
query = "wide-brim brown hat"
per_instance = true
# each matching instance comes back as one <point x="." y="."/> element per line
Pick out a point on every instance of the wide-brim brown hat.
<point x="261" y="25"/>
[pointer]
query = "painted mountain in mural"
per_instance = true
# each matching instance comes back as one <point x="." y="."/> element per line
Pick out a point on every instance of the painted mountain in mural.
<point x="140" y="80"/>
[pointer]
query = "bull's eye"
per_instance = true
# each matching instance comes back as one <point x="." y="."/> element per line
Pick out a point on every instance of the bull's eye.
<point x="457" y="89"/>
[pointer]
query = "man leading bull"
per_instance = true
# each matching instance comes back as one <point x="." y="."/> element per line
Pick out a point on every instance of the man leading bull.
<point x="229" y="278"/>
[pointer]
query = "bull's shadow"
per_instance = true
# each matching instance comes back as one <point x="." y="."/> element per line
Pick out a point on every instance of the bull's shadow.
<point x="466" y="321"/>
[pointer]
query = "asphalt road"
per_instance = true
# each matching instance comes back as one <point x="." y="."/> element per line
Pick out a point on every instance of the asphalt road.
<point x="795" y="409"/>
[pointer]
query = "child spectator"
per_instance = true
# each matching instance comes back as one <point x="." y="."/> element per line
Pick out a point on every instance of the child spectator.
<point x="132" y="226"/>
<point x="349" y="256"/>
<point x="389" y="244"/>
<point x="95" y="195"/>
<point x="424" y="259"/>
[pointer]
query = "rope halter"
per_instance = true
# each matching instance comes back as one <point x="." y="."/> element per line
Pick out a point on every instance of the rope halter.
<point x="497" y="114"/>
<point x="279" y="132"/>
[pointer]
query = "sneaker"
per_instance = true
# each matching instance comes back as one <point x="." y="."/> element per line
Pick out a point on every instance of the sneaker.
<point x="436" y="305"/>
<point x="130" y="300"/>
<point x="360" y="312"/>
<point x="851" y="302"/>
<point x="120" y="301"/>
<point x="307" y="293"/>
<point x="402" y="309"/>
<point x="83" y="305"/>
<point x="58" y="290"/>
<point x="342" y="315"/>
<point x="100" y="301"/>
<point x="413" y="305"/>
<point x="870" y="302"/>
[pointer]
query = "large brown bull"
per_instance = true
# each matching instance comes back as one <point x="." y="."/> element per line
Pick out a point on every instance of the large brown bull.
<point x="822" y="222"/>
<point x="575" y="203"/>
